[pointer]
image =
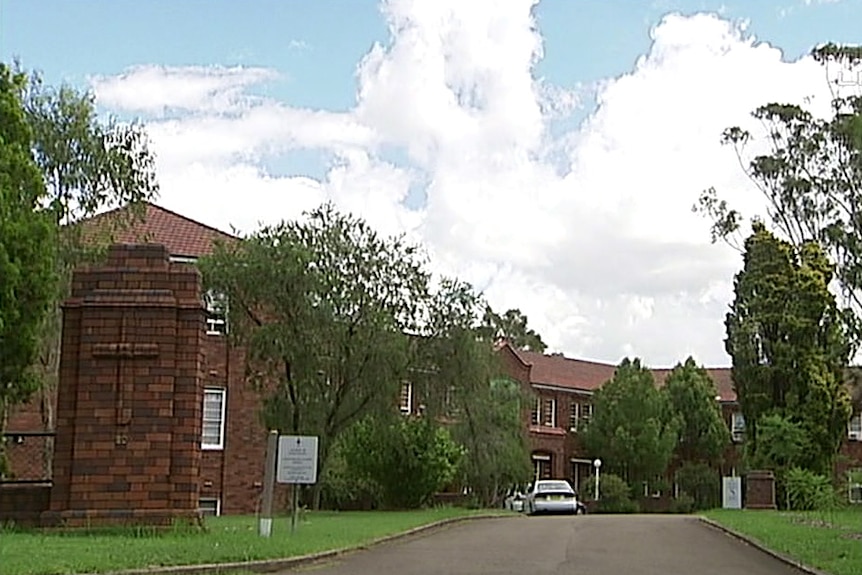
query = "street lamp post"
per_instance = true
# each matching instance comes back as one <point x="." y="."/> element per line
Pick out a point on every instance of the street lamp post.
<point x="597" y="463"/>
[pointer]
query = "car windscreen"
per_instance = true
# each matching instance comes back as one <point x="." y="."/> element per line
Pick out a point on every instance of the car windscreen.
<point x="553" y="486"/>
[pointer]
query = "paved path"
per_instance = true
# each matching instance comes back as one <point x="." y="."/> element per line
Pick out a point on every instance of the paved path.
<point x="589" y="545"/>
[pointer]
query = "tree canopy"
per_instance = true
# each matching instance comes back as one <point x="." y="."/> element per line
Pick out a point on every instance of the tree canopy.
<point x="512" y="327"/>
<point x="337" y="319"/>
<point x="810" y="177"/>
<point x="465" y="388"/>
<point x="27" y="272"/>
<point x="87" y="162"/>
<point x="703" y="432"/>
<point x="633" y="428"/>
<point x="324" y="307"/>
<point x="789" y="344"/>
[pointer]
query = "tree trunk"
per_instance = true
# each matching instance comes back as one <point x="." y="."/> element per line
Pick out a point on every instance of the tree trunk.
<point x="4" y="464"/>
<point x="317" y="488"/>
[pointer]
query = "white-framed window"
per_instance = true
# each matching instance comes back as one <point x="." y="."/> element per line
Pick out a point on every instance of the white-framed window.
<point x="854" y="485"/>
<point x="212" y="430"/>
<point x="536" y="413"/>
<point x="580" y="415"/>
<point x="209" y="506"/>
<point x="737" y="426"/>
<point x="405" y="403"/>
<point x="450" y="402"/>
<point x="182" y="259"/>
<point x="585" y="414"/>
<point x="550" y="412"/>
<point x="216" y="310"/>
<point x="854" y="428"/>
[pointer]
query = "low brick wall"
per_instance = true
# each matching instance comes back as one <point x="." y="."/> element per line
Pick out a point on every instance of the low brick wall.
<point x="24" y="503"/>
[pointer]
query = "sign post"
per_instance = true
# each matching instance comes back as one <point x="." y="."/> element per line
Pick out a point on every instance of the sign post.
<point x="297" y="464"/>
<point x="265" y="526"/>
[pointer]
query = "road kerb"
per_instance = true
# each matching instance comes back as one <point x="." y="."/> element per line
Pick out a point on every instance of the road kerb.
<point x="758" y="545"/>
<point x="274" y="565"/>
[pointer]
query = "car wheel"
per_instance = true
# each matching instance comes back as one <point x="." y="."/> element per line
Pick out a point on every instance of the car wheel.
<point x="580" y="511"/>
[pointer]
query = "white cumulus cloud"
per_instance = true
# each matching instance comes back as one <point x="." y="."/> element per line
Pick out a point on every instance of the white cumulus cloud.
<point x="599" y="249"/>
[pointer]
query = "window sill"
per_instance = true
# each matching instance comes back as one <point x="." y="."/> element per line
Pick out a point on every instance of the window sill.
<point x="212" y="447"/>
<point x="547" y="430"/>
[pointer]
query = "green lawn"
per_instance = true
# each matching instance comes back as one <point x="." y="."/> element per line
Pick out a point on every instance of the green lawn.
<point x="227" y="539"/>
<point x="827" y="540"/>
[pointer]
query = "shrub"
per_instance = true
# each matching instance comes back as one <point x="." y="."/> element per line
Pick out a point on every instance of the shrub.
<point x="614" y="494"/>
<point x="343" y="488"/>
<point x="807" y="491"/>
<point x="409" y="458"/>
<point x="683" y="503"/>
<point x="702" y="483"/>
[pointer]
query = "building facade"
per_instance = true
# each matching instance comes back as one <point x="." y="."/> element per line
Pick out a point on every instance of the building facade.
<point x="233" y="437"/>
<point x="563" y="390"/>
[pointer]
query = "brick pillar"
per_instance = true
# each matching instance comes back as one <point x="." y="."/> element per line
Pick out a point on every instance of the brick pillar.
<point x="130" y="394"/>
<point x="760" y="490"/>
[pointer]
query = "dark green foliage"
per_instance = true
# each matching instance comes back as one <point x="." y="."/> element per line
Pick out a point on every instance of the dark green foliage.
<point x="86" y="163"/>
<point x="683" y="503"/>
<point x="409" y="458"/>
<point x="810" y="178"/>
<point x="336" y="319"/>
<point x="512" y="327"/>
<point x="343" y="488"/>
<point x="702" y="483"/>
<point x="27" y="258"/>
<point x="615" y="495"/>
<point x="465" y="389"/>
<point x="808" y="491"/>
<point x="789" y="346"/>
<point x="496" y="446"/>
<point x="324" y="307"/>
<point x="703" y="432"/>
<point x="830" y="52"/>
<point x="783" y="445"/>
<point x="633" y="429"/>
<point x="89" y="163"/>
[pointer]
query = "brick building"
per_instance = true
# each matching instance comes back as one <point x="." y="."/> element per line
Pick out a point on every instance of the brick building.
<point x="232" y="447"/>
<point x="564" y="389"/>
<point x="233" y="437"/>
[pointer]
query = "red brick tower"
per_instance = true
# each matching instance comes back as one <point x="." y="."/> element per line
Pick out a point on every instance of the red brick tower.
<point x="129" y="398"/>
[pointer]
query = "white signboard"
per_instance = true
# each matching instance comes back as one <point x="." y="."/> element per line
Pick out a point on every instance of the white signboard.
<point x="731" y="492"/>
<point x="297" y="459"/>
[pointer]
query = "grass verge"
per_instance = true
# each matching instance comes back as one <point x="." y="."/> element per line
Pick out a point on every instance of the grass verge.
<point x="226" y="539"/>
<point x="830" y="541"/>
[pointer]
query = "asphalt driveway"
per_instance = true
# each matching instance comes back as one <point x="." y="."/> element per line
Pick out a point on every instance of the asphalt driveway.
<point x="593" y="544"/>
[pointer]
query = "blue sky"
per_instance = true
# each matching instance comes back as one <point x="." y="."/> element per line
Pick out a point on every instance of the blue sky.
<point x="451" y="129"/>
<point x="316" y="45"/>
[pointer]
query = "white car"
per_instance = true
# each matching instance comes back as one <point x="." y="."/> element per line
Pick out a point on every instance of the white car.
<point x="553" y="496"/>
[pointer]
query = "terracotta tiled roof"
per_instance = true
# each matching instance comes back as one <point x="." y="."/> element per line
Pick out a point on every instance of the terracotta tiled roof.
<point x="578" y="374"/>
<point x="721" y="377"/>
<point x="181" y="235"/>
<point x="565" y="372"/>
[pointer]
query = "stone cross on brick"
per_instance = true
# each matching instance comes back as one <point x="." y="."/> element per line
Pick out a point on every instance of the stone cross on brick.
<point x="123" y="351"/>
